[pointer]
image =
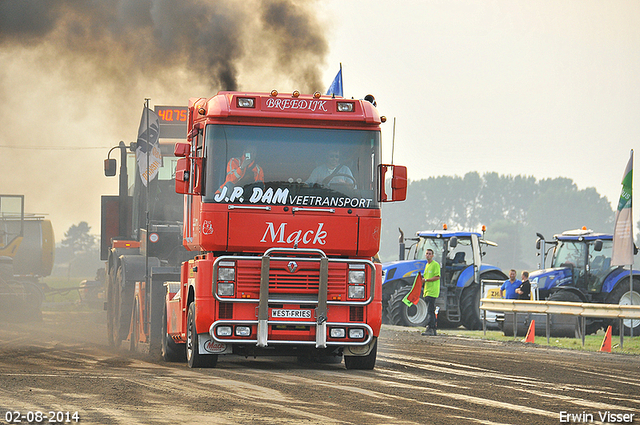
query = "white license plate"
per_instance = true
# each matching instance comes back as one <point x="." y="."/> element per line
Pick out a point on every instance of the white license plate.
<point x="290" y="314"/>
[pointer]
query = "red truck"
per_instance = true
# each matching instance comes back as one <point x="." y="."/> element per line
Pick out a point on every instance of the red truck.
<point x="282" y="202"/>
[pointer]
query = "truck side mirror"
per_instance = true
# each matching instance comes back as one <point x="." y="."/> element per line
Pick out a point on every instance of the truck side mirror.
<point x="109" y="167"/>
<point x="189" y="175"/>
<point x="398" y="183"/>
<point x="182" y="149"/>
<point x="182" y="176"/>
<point x="453" y="242"/>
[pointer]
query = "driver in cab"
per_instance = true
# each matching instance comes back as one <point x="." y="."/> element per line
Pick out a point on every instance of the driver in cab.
<point x="332" y="172"/>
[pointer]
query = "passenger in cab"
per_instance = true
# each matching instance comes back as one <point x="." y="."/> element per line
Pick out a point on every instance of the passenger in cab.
<point x="243" y="170"/>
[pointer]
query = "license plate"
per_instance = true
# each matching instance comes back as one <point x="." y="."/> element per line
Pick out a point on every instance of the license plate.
<point x="280" y="313"/>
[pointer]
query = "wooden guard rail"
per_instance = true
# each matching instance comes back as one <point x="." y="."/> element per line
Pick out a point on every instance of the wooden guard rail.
<point x="581" y="310"/>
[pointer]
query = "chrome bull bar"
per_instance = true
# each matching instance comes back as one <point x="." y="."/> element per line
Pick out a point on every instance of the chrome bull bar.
<point x="322" y="303"/>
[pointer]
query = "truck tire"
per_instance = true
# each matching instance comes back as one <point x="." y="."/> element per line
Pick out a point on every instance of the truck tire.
<point x="171" y="352"/>
<point x="402" y="315"/>
<point x="367" y="362"/>
<point x="135" y="319"/>
<point x="111" y="309"/>
<point x="470" y="307"/>
<point x="620" y="295"/>
<point x="123" y="307"/>
<point x="194" y="358"/>
<point x="562" y="325"/>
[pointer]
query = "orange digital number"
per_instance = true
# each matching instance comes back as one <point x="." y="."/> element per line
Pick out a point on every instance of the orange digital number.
<point x="170" y="115"/>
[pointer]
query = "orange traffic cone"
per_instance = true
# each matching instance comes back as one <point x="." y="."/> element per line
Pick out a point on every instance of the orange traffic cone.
<point x="606" y="342"/>
<point x="531" y="333"/>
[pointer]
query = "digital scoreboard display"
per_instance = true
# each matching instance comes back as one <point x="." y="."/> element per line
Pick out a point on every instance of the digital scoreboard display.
<point x="173" y="121"/>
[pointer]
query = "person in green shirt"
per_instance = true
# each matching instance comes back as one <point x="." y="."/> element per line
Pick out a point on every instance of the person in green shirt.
<point x="431" y="291"/>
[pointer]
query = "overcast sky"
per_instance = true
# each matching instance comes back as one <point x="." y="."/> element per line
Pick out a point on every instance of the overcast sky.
<point x="541" y="88"/>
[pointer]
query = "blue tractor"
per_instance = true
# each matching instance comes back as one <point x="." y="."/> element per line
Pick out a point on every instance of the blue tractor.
<point x="460" y="257"/>
<point x="581" y="271"/>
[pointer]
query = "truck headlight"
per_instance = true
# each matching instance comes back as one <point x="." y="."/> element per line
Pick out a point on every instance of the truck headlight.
<point x="356" y="333"/>
<point x="225" y="289"/>
<point x="223" y="331"/>
<point x="337" y="333"/>
<point x="226" y="273"/>
<point x="356" y="292"/>
<point x="243" y="330"/>
<point x="356" y="276"/>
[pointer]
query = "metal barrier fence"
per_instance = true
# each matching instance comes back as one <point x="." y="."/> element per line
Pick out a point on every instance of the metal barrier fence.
<point x="580" y="310"/>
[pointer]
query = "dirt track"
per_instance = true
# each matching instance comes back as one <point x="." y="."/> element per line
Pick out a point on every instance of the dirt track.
<point x="63" y="364"/>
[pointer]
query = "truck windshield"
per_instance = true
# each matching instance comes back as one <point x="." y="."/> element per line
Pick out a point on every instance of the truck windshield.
<point x="307" y="167"/>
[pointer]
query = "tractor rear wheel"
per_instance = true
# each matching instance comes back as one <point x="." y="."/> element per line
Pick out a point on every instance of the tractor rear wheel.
<point x="563" y="325"/>
<point x="470" y="314"/>
<point x="622" y="296"/>
<point x="402" y="315"/>
<point x="470" y="307"/>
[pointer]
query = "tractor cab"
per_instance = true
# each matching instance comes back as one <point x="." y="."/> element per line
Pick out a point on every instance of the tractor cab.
<point x="463" y="279"/>
<point x="581" y="259"/>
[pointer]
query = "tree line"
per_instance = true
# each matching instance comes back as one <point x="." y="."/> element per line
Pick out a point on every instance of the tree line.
<point x="513" y="209"/>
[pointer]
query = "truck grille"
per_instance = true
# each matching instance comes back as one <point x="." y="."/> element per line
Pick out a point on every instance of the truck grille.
<point x="304" y="280"/>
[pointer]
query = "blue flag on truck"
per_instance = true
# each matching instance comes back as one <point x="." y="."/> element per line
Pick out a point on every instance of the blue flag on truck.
<point x="622" y="254"/>
<point x="336" y="86"/>
<point x="148" y="146"/>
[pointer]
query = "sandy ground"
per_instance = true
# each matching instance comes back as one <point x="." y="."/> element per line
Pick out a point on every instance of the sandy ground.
<point x="63" y="364"/>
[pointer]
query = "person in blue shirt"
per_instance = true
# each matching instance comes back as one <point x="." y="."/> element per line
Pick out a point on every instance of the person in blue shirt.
<point x="508" y="288"/>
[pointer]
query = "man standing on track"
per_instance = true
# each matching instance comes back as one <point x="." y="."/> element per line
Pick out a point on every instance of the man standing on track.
<point x="431" y="291"/>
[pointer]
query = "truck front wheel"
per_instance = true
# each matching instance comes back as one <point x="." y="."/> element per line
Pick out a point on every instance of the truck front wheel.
<point x="194" y="358"/>
<point x="367" y="362"/>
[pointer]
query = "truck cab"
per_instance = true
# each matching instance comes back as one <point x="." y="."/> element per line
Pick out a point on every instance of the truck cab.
<point x="283" y="194"/>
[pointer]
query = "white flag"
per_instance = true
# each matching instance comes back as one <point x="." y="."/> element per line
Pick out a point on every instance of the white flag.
<point x="148" y="142"/>
<point x="622" y="254"/>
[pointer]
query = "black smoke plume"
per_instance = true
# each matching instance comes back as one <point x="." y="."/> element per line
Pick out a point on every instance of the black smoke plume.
<point x="126" y="40"/>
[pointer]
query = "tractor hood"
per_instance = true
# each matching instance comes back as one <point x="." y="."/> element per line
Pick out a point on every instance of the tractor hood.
<point x="550" y="278"/>
<point x="401" y="269"/>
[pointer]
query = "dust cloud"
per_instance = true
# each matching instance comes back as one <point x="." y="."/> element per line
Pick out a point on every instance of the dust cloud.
<point x="74" y="75"/>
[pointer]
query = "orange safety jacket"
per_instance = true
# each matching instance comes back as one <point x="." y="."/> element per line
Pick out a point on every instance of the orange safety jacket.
<point x="235" y="173"/>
